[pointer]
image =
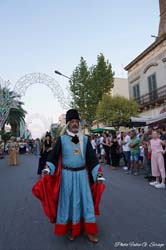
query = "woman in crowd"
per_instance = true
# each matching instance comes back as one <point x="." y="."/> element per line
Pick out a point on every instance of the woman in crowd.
<point x="94" y="144"/>
<point x="114" y="149"/>
<point x="1" y="149"/>
<point x="157" y="160"/>
<point x="46" y="148"/>
<point x="107" y="145"/>
<point x="13" y="152"/>
<point x="102" y="151"/>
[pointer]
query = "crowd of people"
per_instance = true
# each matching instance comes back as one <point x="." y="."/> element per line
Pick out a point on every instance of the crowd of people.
<point x="142" y="151"/>
<point x="14" y="147"/>
<point x="138" y="151"/>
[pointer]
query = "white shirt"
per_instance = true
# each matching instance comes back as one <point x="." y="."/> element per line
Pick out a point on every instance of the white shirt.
<point x="93" y="144"/>
<point x="141" y="151"/>
<point x="127" y="141"/>
<point x="101" y="142"/>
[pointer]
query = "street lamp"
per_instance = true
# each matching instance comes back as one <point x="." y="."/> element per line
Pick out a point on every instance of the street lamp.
<point x="59" y="73"/>
<point x="155" y="36"/>
<point x="67" y="88"/>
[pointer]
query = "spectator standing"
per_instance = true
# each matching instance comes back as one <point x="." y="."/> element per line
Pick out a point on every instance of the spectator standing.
<point x="135" y="153"/>
<point x="114" y="152"/>
<point x="157" y="160"/>
<point x="107" y="146"/>
<point x="94" y="144"/>
<point x="102" y="151"/>
<point x="126" y="149"/>
<point x="13" y="152"/>
<point x="147" y="155"/>
<point x="45" y="151"/>
<point x="141" y="156"/>
<point x="163" y="138"/>
<point x="1" y="149"/>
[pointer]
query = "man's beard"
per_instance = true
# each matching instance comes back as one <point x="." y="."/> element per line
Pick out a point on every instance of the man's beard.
<point x="75" y="129"/>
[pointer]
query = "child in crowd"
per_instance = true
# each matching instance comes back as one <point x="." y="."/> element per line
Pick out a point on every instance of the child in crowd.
<point x="157" y="160"/>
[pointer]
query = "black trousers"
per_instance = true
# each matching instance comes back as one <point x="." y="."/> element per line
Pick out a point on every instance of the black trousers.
<point x="115" y="159"/>
<point x="107" y="155"/>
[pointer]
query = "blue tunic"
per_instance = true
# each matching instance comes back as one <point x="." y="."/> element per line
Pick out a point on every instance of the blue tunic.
<point x="75" y="199"/>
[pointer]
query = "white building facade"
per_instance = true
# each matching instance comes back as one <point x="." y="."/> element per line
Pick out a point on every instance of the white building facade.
<point x="147" y="73"/>
<point x="121" y="87"/>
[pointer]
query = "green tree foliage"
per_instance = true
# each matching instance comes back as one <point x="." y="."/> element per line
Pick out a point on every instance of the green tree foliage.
<point x="116" y="109"/>
<point x="15" y="117"/>
<point x="55" y="132"/>
<point x="88" y="86"/>
<point x="16" y="114"/>
<point x="79" y="88"/>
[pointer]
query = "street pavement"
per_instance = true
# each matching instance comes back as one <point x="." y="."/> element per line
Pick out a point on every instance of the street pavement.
<point x="133" y="214"/>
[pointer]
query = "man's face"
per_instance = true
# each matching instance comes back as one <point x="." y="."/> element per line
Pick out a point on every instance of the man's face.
<point x="132" y="134"/>
<point x="124" y="133"/>
<point x="149" y="130"/>
<point x="74" y="126"/>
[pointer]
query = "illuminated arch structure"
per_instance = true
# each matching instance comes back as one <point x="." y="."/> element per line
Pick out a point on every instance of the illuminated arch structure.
<point x="22" y="85"/>
<point x="33" y="78"/>
<point x="31" y="118"/>
<point x="45" y="123"/>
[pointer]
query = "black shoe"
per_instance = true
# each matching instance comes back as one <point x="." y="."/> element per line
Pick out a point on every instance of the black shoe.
<point x="151" y="178"/>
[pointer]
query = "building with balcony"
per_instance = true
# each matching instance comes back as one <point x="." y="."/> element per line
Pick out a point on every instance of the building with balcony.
<point x="147" y="73"/>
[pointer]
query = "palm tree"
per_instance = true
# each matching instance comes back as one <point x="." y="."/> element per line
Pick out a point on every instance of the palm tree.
<point x="16" y="114"/>
<point x="15" y="117"/>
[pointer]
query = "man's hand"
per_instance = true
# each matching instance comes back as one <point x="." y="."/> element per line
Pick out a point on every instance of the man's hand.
<point x="46" y="171"/>
<point x="100" y="177"/>
<point x="49" y="149"/>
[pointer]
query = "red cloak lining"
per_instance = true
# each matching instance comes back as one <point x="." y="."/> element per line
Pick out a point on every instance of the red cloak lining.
<point x="47" y="189"/>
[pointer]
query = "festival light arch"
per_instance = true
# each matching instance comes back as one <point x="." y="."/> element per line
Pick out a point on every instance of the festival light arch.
<point x="33" y="78"/>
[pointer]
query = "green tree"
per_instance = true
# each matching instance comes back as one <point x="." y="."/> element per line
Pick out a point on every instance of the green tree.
<point x="116" y="109"/>
<point x="79" y="88"/>
<point x="55" y="132"/>
<point x="88" y="86"/>
<point x="15" y="117"/>
<point x="16" y="113"/>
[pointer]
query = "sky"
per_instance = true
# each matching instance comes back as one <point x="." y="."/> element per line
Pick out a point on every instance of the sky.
<point x="43" y="36"/>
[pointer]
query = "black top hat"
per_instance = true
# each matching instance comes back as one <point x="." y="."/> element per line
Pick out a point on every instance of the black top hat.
<point x="72" y="114"/>
<point x="48" y="134"/>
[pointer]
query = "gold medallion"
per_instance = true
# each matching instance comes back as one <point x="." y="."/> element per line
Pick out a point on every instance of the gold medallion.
<point x="76" y="151"/>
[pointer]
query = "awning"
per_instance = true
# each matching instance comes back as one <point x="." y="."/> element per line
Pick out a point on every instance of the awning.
<point x="97" y="130"/>
<point x="100" y="130"/>
<point x="158" y="118"/>
<point x="147" y="120"/>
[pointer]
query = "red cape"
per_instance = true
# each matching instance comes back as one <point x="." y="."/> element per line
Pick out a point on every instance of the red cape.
<point x="47" y="191"/>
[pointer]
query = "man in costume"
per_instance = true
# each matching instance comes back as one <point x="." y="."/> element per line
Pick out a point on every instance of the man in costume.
<point x="75" y="208"/>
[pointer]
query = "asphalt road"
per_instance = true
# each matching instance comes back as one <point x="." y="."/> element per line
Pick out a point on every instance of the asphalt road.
<point x="133" y="214"/>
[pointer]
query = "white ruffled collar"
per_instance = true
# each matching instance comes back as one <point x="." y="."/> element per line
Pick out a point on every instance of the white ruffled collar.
<point x="71" y="134"/>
